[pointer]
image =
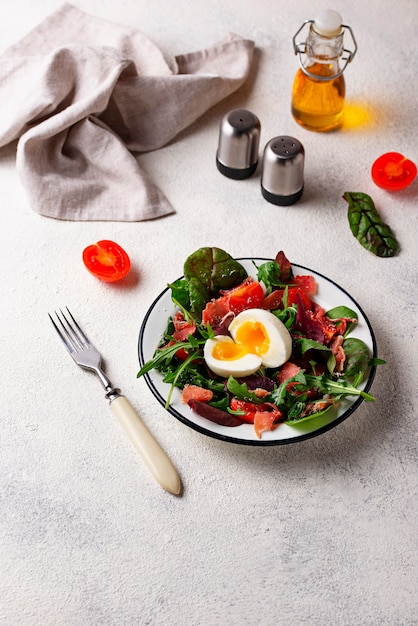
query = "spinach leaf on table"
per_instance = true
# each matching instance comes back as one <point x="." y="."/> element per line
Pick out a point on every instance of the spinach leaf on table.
<point x="368" y="227"/>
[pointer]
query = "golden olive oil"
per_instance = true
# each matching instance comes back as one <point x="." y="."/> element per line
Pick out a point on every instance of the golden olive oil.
<point x="318" y="104"/>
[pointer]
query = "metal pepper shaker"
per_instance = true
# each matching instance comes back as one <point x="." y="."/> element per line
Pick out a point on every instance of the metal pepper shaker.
<point x="283" y="165"/>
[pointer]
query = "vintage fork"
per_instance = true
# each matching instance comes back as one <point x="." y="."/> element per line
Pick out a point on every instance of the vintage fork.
<point x="85" y="354"/>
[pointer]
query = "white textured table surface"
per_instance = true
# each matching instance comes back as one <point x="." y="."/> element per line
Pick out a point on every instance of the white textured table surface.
<point x="320" y="533"/>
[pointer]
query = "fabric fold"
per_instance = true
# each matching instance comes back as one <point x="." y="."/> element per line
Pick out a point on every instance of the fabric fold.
<point x="80" y="108"/>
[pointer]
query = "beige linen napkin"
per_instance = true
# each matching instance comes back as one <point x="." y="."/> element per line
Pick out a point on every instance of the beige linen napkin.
<point x="81" y="95"/>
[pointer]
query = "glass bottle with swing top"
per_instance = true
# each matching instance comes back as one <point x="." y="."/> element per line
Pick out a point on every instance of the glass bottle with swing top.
<point x="318" y="93"/>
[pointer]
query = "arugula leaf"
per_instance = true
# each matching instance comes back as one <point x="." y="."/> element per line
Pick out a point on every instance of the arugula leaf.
<point x="241" y="391"/>
<point x="193" y="375"/>
<point x="162" y="356"/>
<point x="297" y="407"/>
<point x="179" y="370"/>
<point x="273" y="274"/>
<point x="368" y="227"/>
<point x="337" y="387"/>
<point x="280" y="396"/>
<point x="269" y="273"/>
<point x="165" y="352"/>
<point x="287" y="316"/>
<point x="300" y="420"/>
<point x="207" y="271"/>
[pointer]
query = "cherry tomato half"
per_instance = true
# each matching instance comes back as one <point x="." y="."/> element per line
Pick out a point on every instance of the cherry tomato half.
<point x="393" y="172"/>
<point x="275" y="299"/>
<point x="106" y="260"/>
<point x="249" y="295"/>
<point x="247" y="409"/>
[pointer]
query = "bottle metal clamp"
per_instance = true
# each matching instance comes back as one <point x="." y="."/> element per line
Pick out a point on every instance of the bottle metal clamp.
<point x="300" y="49"/>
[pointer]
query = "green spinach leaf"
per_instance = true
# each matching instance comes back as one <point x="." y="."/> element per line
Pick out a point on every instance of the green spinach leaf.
<point x="368" y="227"/>
<point x="180" y="293"/>
<point x="304" y="344"/>
<point x="357" y="357"/>
<point x="207" y="271"/>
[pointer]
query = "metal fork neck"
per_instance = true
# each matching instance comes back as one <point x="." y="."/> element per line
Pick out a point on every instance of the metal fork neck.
<point x="103" y="378"/>
<point x="112" y="394"/>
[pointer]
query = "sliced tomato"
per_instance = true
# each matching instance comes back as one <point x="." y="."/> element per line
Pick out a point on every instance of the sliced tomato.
<point x="106" y="260"/>
<point x="307" y="284"/>
<point x="393" y="172"/>
<point x="275" y="299"/>
<point x="292" y="297"/>
<point x="248" y="295"/>
<point x="248" y="409"/>
<point x="181" y="353"/>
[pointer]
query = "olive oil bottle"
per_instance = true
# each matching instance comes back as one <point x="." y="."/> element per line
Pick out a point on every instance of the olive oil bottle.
<point x="318" y="93"/>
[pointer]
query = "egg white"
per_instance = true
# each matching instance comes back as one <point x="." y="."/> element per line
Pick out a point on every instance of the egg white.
<point x="243" y="366"/>
<point x="280" y="348"/>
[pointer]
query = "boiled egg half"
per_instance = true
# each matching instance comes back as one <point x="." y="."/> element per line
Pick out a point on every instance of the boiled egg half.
<point x="257" y="338"/>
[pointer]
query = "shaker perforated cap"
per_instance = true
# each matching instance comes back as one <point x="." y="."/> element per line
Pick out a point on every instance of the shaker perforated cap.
<point x="239" y="140"/>
<point x="282" y="175"/>
<point x="327" y="23"/>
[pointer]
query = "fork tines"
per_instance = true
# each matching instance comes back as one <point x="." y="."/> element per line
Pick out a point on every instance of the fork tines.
<point x="70" y="333"/>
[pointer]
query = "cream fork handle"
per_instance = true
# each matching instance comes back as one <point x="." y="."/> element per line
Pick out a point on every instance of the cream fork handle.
<point x="150" y="450"/>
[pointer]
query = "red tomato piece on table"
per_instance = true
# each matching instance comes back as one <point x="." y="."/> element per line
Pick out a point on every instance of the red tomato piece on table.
<point x="106" y="260"/>
<point x="393" y="172"/>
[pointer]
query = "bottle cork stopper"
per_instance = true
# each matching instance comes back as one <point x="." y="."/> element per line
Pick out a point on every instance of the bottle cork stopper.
<point x="327" y="23"/>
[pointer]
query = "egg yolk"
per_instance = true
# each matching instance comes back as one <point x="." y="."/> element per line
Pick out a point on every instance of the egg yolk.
<point x="251" y="337"/>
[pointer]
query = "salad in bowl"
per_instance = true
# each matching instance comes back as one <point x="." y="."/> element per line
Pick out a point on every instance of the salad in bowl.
<point x="249" y="344"/>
